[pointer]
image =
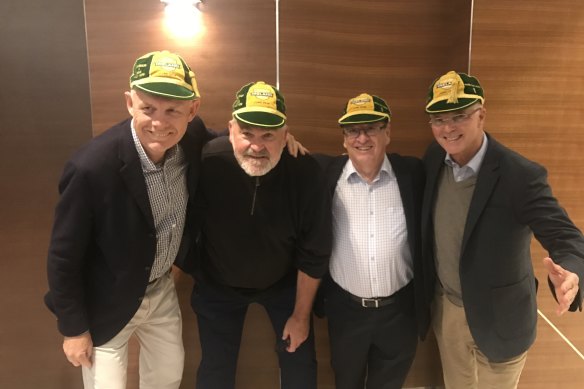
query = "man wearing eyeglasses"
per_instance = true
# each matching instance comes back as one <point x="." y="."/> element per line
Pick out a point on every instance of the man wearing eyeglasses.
<point x="482" y="204"/>
<point x="376" y="211"/>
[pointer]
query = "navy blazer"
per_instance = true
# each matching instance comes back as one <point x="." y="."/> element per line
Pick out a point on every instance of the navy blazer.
<point x="512" y="199"/>
<point x="410" y="177"/>
<point x="103" y="240"/>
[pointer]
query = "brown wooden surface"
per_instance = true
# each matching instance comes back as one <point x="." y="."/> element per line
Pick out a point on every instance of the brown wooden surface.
<point x="44" y="115"/>
<point x="331" y="52"/>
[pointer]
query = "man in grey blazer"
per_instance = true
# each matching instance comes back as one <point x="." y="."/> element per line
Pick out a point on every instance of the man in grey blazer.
<point x="119" y="228"/>
<point x="482" y="204"/>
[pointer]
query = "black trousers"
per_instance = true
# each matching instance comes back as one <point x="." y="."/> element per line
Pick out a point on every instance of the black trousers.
<point x="371" y="348"/>
<point x="220" y="316"/>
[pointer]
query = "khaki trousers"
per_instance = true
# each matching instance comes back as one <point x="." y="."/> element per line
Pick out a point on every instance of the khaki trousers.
<point x="463" y="364"/>
<point x="158" y="326"/>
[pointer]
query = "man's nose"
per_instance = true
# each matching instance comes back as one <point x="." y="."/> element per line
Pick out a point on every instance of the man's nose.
<point x="257" y="146"/>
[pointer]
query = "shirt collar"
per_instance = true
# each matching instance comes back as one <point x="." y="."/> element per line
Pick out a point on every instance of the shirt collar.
<point x="475" y="163"/>
<point x="350" y="173"/>
<point x="145" y="161"/>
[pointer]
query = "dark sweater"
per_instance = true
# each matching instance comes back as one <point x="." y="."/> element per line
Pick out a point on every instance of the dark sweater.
<point x="256" y="232"/>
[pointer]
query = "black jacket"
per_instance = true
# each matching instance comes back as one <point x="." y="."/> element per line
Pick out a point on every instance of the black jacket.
<point x="103" y="240"/>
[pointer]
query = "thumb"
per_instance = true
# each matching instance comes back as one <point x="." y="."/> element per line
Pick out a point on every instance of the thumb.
<point x="550" y="265"/>
<point x="85" y="360"/>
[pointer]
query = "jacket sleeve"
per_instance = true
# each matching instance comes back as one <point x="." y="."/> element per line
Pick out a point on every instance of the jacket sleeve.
<point x="69" y="244"/>
<point x="315" y="237"/>
<point x="550" y="223"/>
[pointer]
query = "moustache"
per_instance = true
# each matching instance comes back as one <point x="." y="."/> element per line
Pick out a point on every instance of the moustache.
<point x="260" y="154"/>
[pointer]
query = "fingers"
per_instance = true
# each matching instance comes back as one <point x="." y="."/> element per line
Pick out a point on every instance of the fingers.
<point x="81" y="359"/>
<point x="295" y="333"/>
<point x="566" y="293"/>
<point x="304" y="150"/>
<point x="85" y="360"/>
<point x="78" y="349"/>
<point x="294" y="344"/>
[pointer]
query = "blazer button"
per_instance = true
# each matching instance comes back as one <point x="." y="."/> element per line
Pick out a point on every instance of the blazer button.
<point x="147" y="268"/>
<point x="140" y="299"/>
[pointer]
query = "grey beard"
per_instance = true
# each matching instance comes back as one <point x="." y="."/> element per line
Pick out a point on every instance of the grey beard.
<point x="252" y="168"/>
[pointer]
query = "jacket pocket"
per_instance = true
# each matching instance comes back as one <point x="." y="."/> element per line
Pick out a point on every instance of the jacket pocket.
<point x="515" y="309"/>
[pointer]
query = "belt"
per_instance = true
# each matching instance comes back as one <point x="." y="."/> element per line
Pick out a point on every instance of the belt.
<point x="374" y="302"/>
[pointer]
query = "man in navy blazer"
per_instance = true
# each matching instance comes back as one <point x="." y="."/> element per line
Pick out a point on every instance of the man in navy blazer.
<point x="119" y="226"/>
<point x="482" y="204"/>
<point x="376" y="206"/>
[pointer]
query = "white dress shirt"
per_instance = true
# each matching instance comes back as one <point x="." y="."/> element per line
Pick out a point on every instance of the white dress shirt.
<point x="370" y="256"/>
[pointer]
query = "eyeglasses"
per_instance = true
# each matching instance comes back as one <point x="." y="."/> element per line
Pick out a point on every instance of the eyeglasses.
<point x="353" y="132"/>
<point x="453" y="120"/>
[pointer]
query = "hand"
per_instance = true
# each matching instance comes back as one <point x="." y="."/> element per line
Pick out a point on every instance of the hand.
<point x="175" y="273"/>
<point x="294" y="146"/>
<point x="296" y="330"/>
<point x="78" y="349"/>
<point x="565" y="283"/>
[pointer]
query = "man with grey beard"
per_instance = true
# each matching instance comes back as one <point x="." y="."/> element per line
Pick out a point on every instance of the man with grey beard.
<point x="264" y="236"/>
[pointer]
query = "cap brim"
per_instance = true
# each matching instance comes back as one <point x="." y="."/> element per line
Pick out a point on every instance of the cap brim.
<point x="362" y="118"/>
<point x="168" y="90"/>
<point x="444" y="106"/>
<point x="261" y="119"/>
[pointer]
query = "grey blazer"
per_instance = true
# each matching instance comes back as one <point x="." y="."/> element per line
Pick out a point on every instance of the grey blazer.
<point x="512" y="200"/>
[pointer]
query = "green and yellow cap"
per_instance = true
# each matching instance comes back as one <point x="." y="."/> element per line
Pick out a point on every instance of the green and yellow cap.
<point x="260" y="104"/>
<point x="453" y="91"/>
<point x="365" y="108"/>
<point x="164" y="74"/>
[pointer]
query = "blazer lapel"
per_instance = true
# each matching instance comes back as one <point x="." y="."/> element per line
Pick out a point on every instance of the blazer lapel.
<point x="433" y="163"/>
<point x="404" y="184"/>
<point x="486" y="181"/>
<point x="334" y="171"/>
<point x="131" y="172"/>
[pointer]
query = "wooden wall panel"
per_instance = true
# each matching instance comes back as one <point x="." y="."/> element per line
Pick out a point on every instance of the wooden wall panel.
<point x="237" y="47"/>
<point x="529" y="56"/>
<point x="332" y="51"/>
<point x="45" y="114"/>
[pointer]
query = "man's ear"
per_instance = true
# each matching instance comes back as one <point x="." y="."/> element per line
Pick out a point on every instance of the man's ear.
<point x="194" y="109"/>
<point x="129" y="102"/>
<point x="388" y="132"/>
<point x="231" y="131"/>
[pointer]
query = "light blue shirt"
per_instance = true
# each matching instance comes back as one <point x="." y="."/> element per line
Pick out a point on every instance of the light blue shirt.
<point x="472" y="168"/>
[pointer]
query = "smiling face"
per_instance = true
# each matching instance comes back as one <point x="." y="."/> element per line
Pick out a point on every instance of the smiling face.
<point x="366" y="145"/>
<point x="256" y="149"/>
<point x="160" y="123"/>
<point x="460" y="133"/>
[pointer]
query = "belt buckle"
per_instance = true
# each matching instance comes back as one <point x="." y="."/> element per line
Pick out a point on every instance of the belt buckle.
<point x="369" y="303"/>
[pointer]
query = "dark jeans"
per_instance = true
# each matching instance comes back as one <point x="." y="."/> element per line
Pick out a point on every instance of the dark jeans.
<point x="220" y="315"/>
<point x="371" y="347"/>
